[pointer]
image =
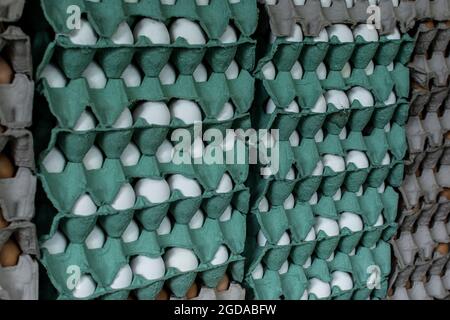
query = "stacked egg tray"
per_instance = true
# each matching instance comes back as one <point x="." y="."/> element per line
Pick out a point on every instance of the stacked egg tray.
<point x="422" y="270"/>
<point x="376" y="131"/>
<point x="67" y="104"/>
<point x="313" y="17"/>
<point x="17" y="193"/>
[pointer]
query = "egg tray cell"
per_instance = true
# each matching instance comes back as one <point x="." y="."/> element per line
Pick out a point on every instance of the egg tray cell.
<point x="149" y="57"/>
<point x="234" y="292"/>
<point x="25" y="234"/>
<point x="105" y="16"/>
<point x="434" y="36"/>
<point x="11" y="10"/>
<point x="432" y="72"/>
<point x="21" y="281"/>
<point x="292" y="284"/>
<point x="103" y="264"/>
<point x="432" y="99"/>
<point x="17" y="98"/>
<point x="313" y="18"/>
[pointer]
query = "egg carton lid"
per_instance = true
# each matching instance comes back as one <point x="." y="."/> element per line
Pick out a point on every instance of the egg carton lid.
<point x="11" y="10"/>
<point x="18" y="47"/>
<point x="313" y="18"/>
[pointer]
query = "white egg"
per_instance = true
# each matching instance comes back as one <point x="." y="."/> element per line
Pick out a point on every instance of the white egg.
<point x="182" y="259"/>
<point x="346" y="71"/>
<point x="125" y="199"/>
<point x="291" y="175"/>
<point x="229" y="36"/>
<point x="226" y="215"/>
<point x="131" y="76"/>
<point x="95" y="76"/>
<point x="311" y="236"/>
<point x="56" y="244"/>
<point x="85" y="287"/>
<point x="298" y="2"/>
<point x="167" y="76"/>
<point x="380" y="221"/>
<point x="319" y="136"/>
<point x="54" y="76"/>
<point x="387" y="127"/>
<point x="93" y="160"/>
<point x="123" y="35"/>
<point x="225" y="184"/>
<point x="320" y="106"/>
<point x="285" y="240"/>
<point x="155" y="191"/>
<point x="96" y="239"/>
<point x="318" y="170"/>
<point x="130" y="156"/>
<point x="297" y="71"/>
<point x="359" y="193"/>
<point x="314" y="199"/>
<point x="334" y="162"/>
<point x="341" y="31"/>
<point x="320" y="288"/>
<point x="54" y="161"/>
<point x="131" y="233"/>
<point x="261" y="239"/>
<point x="352" y="253"/>
<point x="296" y="35"/>
<point x="362" y="95"/>
<point x="187" y="111"/>
<point x="188" y="30"/>
<point x="284" y="268"/>
<point x="124" y="121"/>
<point x="321" y="71"/>
<point x="394" y="35"/>
<point x="84" y="206"/>
<point x="165" y="227"/>
<point x="197" y="220"/>
<point x="227" y="112"/>
<point x="197" y="148"/>
<point x="153" y="113"/>
<point x="358" y="158"/>
<point x="270" y="106"/>
<point x="338" y="195"/>
<point x="292" y="107"/>
<point x="392" y="99"/>
<point x="232" y="71"/>
<point x="390" y="67"/>
<point x="349" y="3"/>
<point x="381" y="188"/>
<point x="229" y="141"/>
<point x="386" y="159"/>
<point x="343" y="134"/>
<point x="307" y="264"/>
<point x="85" y="35"/>
<point x="258" y="272"/>
<point x="200" y="73"/>
<point x="153" y="30"/>
<point x="202" y="2"/>
<point x="322" y="37"/>
<point x="370" y="68"/>
<point x="366" y="31"/>
<point x="338" y="98"/>
<point x="165" y="2"/>
<point x="123" y="278"/>
<point x="165" y="152"/>
<point x="342" y="280"/>
<point x="325" y="3"/>
<point x="149" y="268"/>
<point x="221" y="256"/>
<point x="329" y="226"/>
<point x="85" y="122"/>
<point x="304" y="295"/>
<point x="350" y="220"/>
<point x="188" y="187"/>
<point x="294" y="139"/>
<point x="268" y="70"/>
<point x="331" y="257"/>
<point x="263" y="205"/>
<point x="289" y="203"/>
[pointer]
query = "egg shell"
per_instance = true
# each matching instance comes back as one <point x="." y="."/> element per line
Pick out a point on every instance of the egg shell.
<point x="85" y="287"/>
<point x="258" y="272"/>
<point x="167" y="75"/>
<point x="294" y="139"/>
<point x="187" y="111"/>
<point x="263" y="205"/>
<point x="318" y="170"/>
<point x="165" y="152"/>
<point x="193" y="292"/>
<point x="319" y="136"/>
<point x="165" y="227"/>
<point x="308" y="263"/>
<point x="227" y="112"/>
<point x="229" y="141"/>
<point x="268" y="70"/>
<point x="95" y="76"/>
<point x="123" y="35"/>
<point x="292" y="107"/>
<point x="325" y="3"/>
<point x="6" y="72"/>
<point x="232" y="71"/>
<point x="296" y="35"/>
<point x="311" y="236"/>
<point x="197" y="220"/>
<point x="200" y="73"/>
<point x="124" y="121"/>
<point x="392" y="99"/>
<point x="349" y="3"/>
<point x="320" y="106"/>
<point x="341" y="31"/>
<point x="338" y="98"/>
<point x="284" y="268"/>
<point x="370" y="68"/>
<point x="226" y="215"/>
<point x="123" y="278"/>
<point x="3" y="222"/>
<point x="131" y="233"/>
<point x="362" y="95"/>
<point x="131" y="76"/>
<point x="85" y="35"/>
<point x="229" y="36"/>
<point x="346" y="71"/>
<point x="223" y="284"/>
<point x="221" y="256"/>
<point x="320" y="288"/>
<point x="322" y="37"/>
<point x="381" y="188"/>
<point x="342" y="280"/>
<point x="270" y="106"/>
<point x="386" y="159"/>
<point x="188" y="30"/>
<point x="284" y="240"/>
<point x="163" y="295"/>
<point x="261" y="239"/>
<point x="155" y="191"/>
<point x="351" y="221"/>
<point x="188" y="187"/>
<point x="54" y="76"/>
<point x="125" y="199"/>
<point x="289" y="203"/>
<point x="291" y="175"/>
<point x="96" y="239"/>
<point x="321" y="71"/>
<point x="9" y="254"/>
<point x="314" y="199"/>
<point x="130" y="155"/>
<point x="380" y="221"/>
<point x="84" y="206"/>
<point x="153" y="30"/>
<point x="149" y="268"/>
<point x="182" y="259"/>
<point x="56" y="244"/>
<point x="153" y="113"/>
<point x="343" y="134"/>
<point x="297" y="71"/>
<point x="225" y="184"/>
<point x="358" y="158"/>
<point x="93" y="160"/>
<point x="334" y="162"/>
<point x="86" y="122"/>
<point x="329" y="226"/>
<point x="394" y="35"/>
<point x="7" y="169"/>
<point x="366" y="31"/>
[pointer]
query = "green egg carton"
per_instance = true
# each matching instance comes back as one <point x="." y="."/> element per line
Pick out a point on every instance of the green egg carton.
<point x="105" y="16"/>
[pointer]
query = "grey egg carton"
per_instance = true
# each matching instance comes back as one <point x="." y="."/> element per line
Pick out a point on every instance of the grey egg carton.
<point x="234" y="292"/>
<point x="313" y="18"/>
<point x="11" y="10"/>
<point x="432" y="35"/>
<point x="16" y="101"/>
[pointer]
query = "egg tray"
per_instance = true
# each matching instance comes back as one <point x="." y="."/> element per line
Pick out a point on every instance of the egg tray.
<point x="431" y="70"/>
<point x="17" y="98"/>
<point x="234" y="292"/>
<point x="313" y="18"/>
<point x="435" y="36"/>
<point x="11" y="10"/>
<point x="20" y="282"/>
<point x="434" y="99"/>
<point x="105" y="16"/>
<point x="292" y="284"/>
<point x="103" y="264"/>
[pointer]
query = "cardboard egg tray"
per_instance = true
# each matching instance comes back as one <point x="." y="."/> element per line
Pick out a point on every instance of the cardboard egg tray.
<point x="312" y="17"/>
<point x="17" y="193"/>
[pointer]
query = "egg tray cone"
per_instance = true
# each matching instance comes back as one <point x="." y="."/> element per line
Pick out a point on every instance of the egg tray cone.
<point x="313" y="18"/>
<point x="11" y="10"/>
<point x="105" y="17"/>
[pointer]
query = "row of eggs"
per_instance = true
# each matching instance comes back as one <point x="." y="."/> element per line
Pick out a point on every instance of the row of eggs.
<point x="154" y="30"/>
<point x="328" y="3"/>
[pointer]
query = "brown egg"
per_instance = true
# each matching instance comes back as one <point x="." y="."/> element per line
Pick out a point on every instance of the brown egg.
<point x="390" y="292"/>
<point x="6" y="167"/>
<point x="447" y="136"/>
<point x="163" y="295"/>
<point x="408" y="284"/>
<point x="6" y="72"/>
<point x="442" y="248"/>
<point x="429" y="24"/>
<point x="446" y="193"/>
<point x="9" y="254"/>
<point x="3" y="222"/>
<point x="224" y="284"/>
<point x="192" y="292"/>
